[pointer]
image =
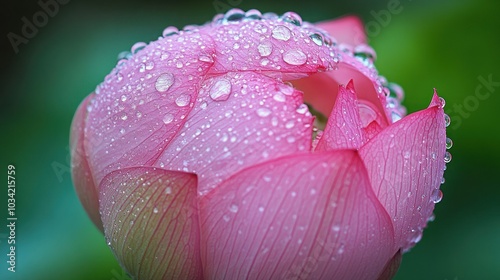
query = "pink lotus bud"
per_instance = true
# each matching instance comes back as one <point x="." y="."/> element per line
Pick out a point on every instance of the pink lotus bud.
<point x="199" y="159"/>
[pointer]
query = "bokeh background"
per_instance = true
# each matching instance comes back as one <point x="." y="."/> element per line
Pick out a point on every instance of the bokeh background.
<point x="450" y="45"/>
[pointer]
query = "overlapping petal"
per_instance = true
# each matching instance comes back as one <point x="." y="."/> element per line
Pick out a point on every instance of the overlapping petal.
<point x="308" y="216"/>
<point x="150" y="219"/>
<point x="405" y="164"/>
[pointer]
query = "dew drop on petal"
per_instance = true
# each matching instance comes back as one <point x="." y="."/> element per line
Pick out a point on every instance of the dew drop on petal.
<point x="292" y="18"/>
<point x="137" y="47"/>
<point x="168" y="118"/>
<point x="155" y="210"/>
<point x="168" y="190"/>
<point x="164" y="82"/>
<point x="449" y="143"/>
<point x="169" y="31"/>
<point x="317" y="38"/>
<point x="295" y="57"/>
<point x="442" y="102"/>
<point x="447" y="157"/>
<point x="233" y="208"/>
<point x="263" y="112"/>
<point x="282" y="33"/>
<point x="436" y="196"/>
<point x="182" y="100"/>
<point x="265" y="48"/>
<point x="447" y="120"/>
<point x="220" y="90"/>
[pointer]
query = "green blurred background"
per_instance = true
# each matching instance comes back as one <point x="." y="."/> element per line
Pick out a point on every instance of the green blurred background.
<point x="450" y="45"/>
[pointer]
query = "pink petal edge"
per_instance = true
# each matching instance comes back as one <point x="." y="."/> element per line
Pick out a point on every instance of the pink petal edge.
<point x="405" y="163"/>
<point x="348" y="29"/>
<point x="308" y="216"/>
<point x="150" y="219"/>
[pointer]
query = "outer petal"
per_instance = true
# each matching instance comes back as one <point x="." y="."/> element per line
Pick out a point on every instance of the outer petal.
<point x="343" y="130"/>
<point x="349" y="30"/>
<point x="80" y="171"/>
<point x="253" y="118"/>
<point x="150" y="219"/>
<point x="405" y="165"/>
<point x="310" y="216"/>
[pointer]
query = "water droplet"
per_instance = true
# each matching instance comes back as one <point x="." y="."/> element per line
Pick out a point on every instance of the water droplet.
<point x="261" y="209"/>
<point x="317" y="38"/>
<point x="260" y="28"/>
<point x="447" y="157"/>
<point x="395" y="116"/>
<point x="295" y="57"/>
<point x="226" y="218"/>
<point x="169" y="31"/>
<point x="234" y="15"/>
<point x="292" y="18"/>
<point x="282" y="33"/>
<point x="286" y="89"/>
<point x="302" y="109"/>
<point x="406" y="155"/>
<point x="220" y="90"/>
<point x="182" y="100"/>
<point x="280" y="97"/>
<point x="168" y="118"/>
<point x="263" y="112"/>
<point x="137" y="47"/>
<point x="119" y="77"/>
<point x="179" y="64"/>
<point x="124" y="55"/>
<point x="265" y="48"/>
<point x="442" y="102"/>
<point x="168" y="190"/>
<point x="122" y="130"/>
<point x="436" y="196"/>
<point x="123" y="98"/>
<point x="124" y="117"/>
<point x="155" y="210"/>
<point x="449" y="143"/>
<point x="447" y="120"/>
<point x="164" y="82"/>
<point x="233" y="208"/>
<point x="205" y="58"/>
<point x="253" y="14"/>
<point x="150" y="65"/>
<point x="290" y="124"/>
<point x="365" y="52"/>
<point x="443" y="180"/>
<point x="395" y="91"/>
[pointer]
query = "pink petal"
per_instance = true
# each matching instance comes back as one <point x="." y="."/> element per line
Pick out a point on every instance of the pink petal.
<point x="144" y="102"/>
<point x="405" y="165"/>
<point x="222" y="137"/>
<point x="392" y="267"/>
<point x="349" y="30"/>
<point x="80" y="171"/>
<point x="150" y="219"/>
<point x="343" y="130"/>
<point x="308" y="216"/>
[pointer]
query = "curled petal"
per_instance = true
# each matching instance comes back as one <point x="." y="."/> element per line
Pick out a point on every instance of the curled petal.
<point x="348" y="30"/>
<point x="80" y="171"/>
<point x="405" y="163"/>
<point x="309" y="216"/>
<point x="150" y="219"/>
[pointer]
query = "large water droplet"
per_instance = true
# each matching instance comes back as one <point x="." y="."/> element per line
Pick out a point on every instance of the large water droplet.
<point x="292" y="18"/>
<point x="436" y="196"/>
<point x="442" y="102"/>
<point x="447" y="157"/>
<point x="265" y="48"/>
<point x="317" y="38"/>
<point x="234" y="15"/>
<point x="365" y="52"/>
<point x="164" y="82"/>
<point x="282" y="33"/>
<point x="182" y="100"/>
<point x="253" y="14"/>
<point x="220" y="90"/>
<point x="263" y="112"/>
<point x="168" y="118"/>
<point x="294" y="57"/>
<point x="447" y="120"/>
<point x="205" y="58"/>
<point x="449" y="143"/>
<point x="137" y="47"/>
<point x="169" y="31"/>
